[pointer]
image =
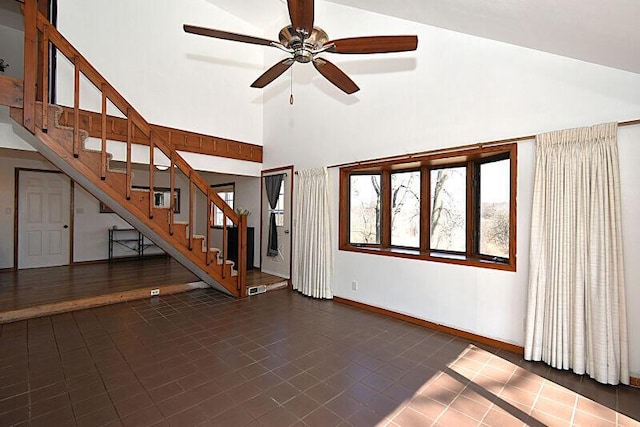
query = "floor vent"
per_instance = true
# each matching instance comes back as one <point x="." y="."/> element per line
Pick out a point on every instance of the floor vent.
<point x="256" y="290"/>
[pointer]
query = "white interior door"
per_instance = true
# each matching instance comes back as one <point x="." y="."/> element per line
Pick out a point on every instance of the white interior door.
<point x="279" y="265"/>
<point x="43" y="219"/>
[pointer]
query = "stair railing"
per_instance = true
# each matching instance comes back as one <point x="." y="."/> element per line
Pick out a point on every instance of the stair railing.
<point x="39" y="29"/>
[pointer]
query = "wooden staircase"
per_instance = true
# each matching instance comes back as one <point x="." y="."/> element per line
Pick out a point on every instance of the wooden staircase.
<point x="64" y="146"/>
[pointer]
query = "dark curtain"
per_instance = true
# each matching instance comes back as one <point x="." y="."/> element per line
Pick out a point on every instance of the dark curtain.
<point x="272" y="184"/>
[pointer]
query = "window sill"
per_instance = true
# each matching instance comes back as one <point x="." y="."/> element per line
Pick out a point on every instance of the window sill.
<point x="432" y="256"/>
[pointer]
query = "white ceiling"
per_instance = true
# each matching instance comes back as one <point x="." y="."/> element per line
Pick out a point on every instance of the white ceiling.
<point x="605" y="32"/>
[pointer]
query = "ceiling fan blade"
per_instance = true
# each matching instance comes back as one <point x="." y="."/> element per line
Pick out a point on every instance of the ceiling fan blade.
<point x="335" y="76"/>
<point x="225" y="35"/>
<point x="374" y="44"/>
<point x="272" y="73"/>
<point x="301" y="14"/>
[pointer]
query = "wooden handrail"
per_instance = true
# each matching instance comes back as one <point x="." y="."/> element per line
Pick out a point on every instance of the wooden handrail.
<point x="135" y="123"/>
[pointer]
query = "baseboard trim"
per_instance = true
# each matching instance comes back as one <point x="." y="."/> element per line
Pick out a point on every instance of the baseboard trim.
<point x="435" y="326"/>
<point x="6" y="270"/>
<point x="118" y="259"/>
<point x="90" y="262"/>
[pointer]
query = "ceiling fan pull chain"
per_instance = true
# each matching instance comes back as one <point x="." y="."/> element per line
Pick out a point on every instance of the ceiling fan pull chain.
<point x="291" y="90"/>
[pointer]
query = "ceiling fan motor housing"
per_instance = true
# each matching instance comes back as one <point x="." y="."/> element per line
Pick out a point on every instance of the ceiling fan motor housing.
<point x="303" y="47"/>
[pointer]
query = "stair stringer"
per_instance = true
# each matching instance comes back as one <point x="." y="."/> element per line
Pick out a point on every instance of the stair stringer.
<point x="37" y="142"/>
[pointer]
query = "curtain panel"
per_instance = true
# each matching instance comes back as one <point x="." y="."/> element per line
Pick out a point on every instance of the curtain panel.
<point x="576" y="315"/>
<point x="312" y="262"/>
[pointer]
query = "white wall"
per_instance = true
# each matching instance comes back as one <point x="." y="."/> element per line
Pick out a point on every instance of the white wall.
<point x="456" y="89"/>
<point x="172" y="78"/>
<point x="90" y="228"/>
<point x="11" y="50"/>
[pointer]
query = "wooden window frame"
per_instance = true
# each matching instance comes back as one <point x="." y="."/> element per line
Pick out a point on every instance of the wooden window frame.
<point x="471" y="158"/>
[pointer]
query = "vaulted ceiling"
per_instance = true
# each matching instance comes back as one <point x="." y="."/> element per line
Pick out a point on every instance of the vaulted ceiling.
<point x="604" y="32"/>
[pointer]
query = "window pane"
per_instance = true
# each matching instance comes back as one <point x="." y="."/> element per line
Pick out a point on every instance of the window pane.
<point x="279" y="210"/>
<point x="448" y="209"/>
<point x="364" y="216"/>
<point x="494" y="208"/>
<point x="405" y="209"/>
<point x="227" y="196"/>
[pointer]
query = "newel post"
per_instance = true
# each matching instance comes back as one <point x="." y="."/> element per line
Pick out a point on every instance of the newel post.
<point x="242" y="256"/>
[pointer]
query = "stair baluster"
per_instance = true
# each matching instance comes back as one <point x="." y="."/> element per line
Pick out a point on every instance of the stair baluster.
<point x="172" y="185"/>
<point x="151" y="174"/>
<point x="45" y="78"/>
<point x="191" y="195"/>
<point x="208" y="230"/>
<point x="129" y="137"/>
<point x="76" y="106"/>
<point x="103" y="149"/>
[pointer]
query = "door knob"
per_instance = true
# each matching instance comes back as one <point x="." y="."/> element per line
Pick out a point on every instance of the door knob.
<point x="65" y="226"/>
<point x="286" y="231"/>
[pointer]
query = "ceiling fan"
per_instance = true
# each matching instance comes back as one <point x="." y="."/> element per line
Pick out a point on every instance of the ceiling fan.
<point x="304" y="43"/>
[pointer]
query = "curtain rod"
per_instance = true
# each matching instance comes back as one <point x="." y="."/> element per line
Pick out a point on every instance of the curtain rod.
<point x="456" y="148"/>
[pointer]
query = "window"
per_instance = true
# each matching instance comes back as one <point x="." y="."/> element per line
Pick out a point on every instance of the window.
<point x="226" y="193"/>
<point x="494" y="209"/>
<point x="405" y="209"/>
<point x="448" y="225"/>
<point x="455" y="208"/>
<point x="365" y="209"/>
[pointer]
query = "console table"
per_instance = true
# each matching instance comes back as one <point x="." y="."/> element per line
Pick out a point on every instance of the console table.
<point x="131" y="240"/>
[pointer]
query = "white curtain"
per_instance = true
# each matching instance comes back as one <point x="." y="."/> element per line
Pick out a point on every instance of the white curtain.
<point x="576" y="317"/>
<point x="312" y="266"/>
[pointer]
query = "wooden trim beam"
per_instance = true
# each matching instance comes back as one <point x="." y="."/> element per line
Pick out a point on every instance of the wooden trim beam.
<point x="435" y="326"/>
<point x="97" y="301"/>
<point x="180" y="139"/>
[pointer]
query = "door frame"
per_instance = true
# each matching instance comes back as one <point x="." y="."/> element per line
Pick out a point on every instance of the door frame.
<point x="16" y="201"/>
<point x="286" y="169"/>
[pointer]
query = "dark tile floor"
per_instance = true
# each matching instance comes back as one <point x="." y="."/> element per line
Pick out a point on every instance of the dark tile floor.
<point x="277" y="359"/>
